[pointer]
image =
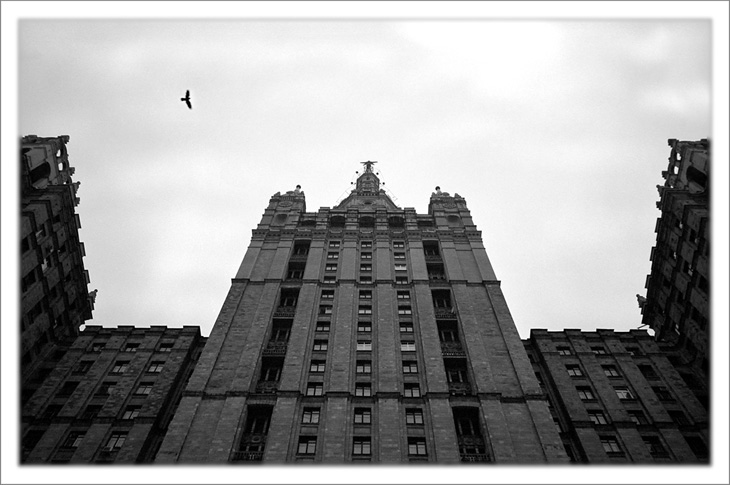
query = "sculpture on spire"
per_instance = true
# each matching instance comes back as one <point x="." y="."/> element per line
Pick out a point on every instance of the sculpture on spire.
<point x="368" y="166"/>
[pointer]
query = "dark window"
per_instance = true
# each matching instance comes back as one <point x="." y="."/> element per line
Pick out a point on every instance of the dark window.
<point x="656" y="448"/>
<point x="52" y="411"/>
<point x="404" y="310"/>
<point x="399" y="244"/>
<point x="361" y="445"/>
<point x="414" y="416"/>
<point x="574" y="370"/>
<point x="320" y="345"/>
<point x="448" y="331"/>
<point x="166" y="346"/>
<point x="271" y="369"/>
<point x="322" y="327"/>
<point x="330" y="267"/>
<point x="131" y="347"/>
<point x="328" y="294"/>
<point x="116" y="441"/>
<point x="599" y="350"/>
<point x="258" y="419"/>
<point x="610" y="371"/>
<point x="698" y="447"/>
<point x="406" y="327"/>
<point x="91" y="411"/>
<point x="663" y="393"/>
<point x="105" y="388"/>
<point x="280" y="330"/>
<point x="289" y="297"/>
<point x="73" y="440"/>
<point x="364" y="310"/>
<point x="333" y="255"/>
<point x="416" y="446"/>
<point x="638" y="417"/>
<point x="307" y="445"/>
<point x="156" y="367"/>
<point x="131" y="412"/>
<point x="144" y="388"/>
<point x="301" y="248"/>
<point x="648" y="371"/>
<point x="366" y="244"/>
<point x="441" y="299"/>
<point x="563" y="350"/>
<point x="325" y="309"/>
<point x="597" y="417"/>
<point x="366" y="295"/>
<point x="366" y="256"/>
<point x="679" y="418"/>
<point x="310" y="416"/>
<point x="401" y="280"/>
<point x="410" y="367"/>
<point x="68" y="389"/>
<point x="362" y="415"/>
<point x="431" y="248"/>
<point x="610" y="444"/>
<point x="334" y="244"/>
<point x="295" y="270"/>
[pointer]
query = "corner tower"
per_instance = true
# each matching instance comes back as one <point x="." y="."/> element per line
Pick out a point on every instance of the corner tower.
<point x="364" y="333"/>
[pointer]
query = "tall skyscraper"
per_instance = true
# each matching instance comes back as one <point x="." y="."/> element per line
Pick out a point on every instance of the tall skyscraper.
<point x="677" y="303"/>
<point x="364" y="332"/>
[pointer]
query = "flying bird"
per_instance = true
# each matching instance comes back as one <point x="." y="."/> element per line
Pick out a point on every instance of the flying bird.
<point x="187" y="99"/>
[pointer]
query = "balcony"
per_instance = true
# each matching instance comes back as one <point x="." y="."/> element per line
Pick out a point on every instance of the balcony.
<point x="301" y="258"/>
<point x="436" y="258"/>
<point x="285" y="311"/>
<point x="248" y="456"/>
<point x="267" y="387"/>
<point x="452" y="349"/>
<point x="275" y="349"/>
<point x="472" y="449"/>
<point x="474" y="457"/>
<point x="445" y="312"/>
<point x="459" y="388"/>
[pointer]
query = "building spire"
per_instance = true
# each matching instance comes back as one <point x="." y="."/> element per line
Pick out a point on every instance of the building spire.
<point x="368" y="166"/>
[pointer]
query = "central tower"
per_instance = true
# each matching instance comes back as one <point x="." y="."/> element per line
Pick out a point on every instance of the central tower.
<point x="364" y="332"/>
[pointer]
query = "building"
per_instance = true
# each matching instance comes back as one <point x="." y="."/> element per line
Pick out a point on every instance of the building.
<point x="55" y="300"/>
<point x="111" y="395"/>
<point x="364" y="333"/>
<point x="618" y="398"/>
<point x="677" y="305"/>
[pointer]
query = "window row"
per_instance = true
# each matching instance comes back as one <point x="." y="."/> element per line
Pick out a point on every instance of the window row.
<point x="362" y="389"/>
<point x="361" y="446"/>
<point x="131" y="347"/>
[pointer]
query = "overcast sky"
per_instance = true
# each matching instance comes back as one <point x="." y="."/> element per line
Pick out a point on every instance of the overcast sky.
<point x="554" y="131"/>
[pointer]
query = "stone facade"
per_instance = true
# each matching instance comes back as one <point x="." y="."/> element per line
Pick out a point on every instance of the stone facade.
<point x="110" y="396"/>
<point x="618" y="398"/>
<point x="677" y="303"/>
<point x="364" y="333"/>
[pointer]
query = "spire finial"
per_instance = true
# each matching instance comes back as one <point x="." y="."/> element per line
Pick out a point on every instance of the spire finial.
<point x="368" y="165"/>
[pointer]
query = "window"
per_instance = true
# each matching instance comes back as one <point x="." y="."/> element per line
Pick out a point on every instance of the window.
<point x="447" y="331"/>
<point x="97" y="346"/>
<point x="648" y="371"/>
<point x="116" y="441"/>
<point x="597" y="417"/>
<point x="361" y="445"/>
<point x="105" y="388"/>
<point x="406" y="327"/>
<point x="131" y="347"/>
<point x="328" y="294"/>
<point x="363" y="367"/>
<point x="68" y="388"/>
<point x="563" y="350"/>
<point x="310" y="416"/>
<point x="52" y="411"/>
<point x="399" y="244"/>
<point x="366" y="295"/>
<point x="399" y="256"/>
<point x="663" y="393"/>
<point x="91" y="411"/>
<point x="73" y="440"/>
<point x="574" y="370"/>
<point x="407" y="346"/>
<point x="307" y="444"/>
<point x="362" y="415"/>
<point x="317" y="366"/>
<point x="411" y="390"/>
<point x="329" y="280"/>
<point x="679" y="418"/>
<point x="280" y="330"/>
<point x="404" y="310"/>
<point x="366" y="267"/>
<point x="295" y="271"/>
<point x="301" y="248"/>
<point x="325" y="309"/>
<point x="330" y="267"/>
<point x="403" y="295"/>
<point x="320" y="345"/>
<point x="156" y="367"/>
<point x="84" y="367"/>
<point x="364" y="345"/>
<point x="441" y="299"/>
<point x="610" y="444"/>
<point x="401" y="267"/>
<point x="635" y="351"/>
<point x="289" y="297"/>
<point x="363" y="389"/>
<point x="366" y="279"/>
<point x="655" y="446"/>
<point x="414" y="416"/>
<point x="410" y="367"/>
<point x="366" y="256"/>
<point x="315" y="389"/>
<point x="598" y="350"/>
<point x="366" y="244"/>
<point x="144" y="389"/>
<point x="585" y="393"/>
<point x="334" y="244"/>
<point x="364" y="327"/>
<point x="610" y="371"/>
<point x="638" y="417"/>
<point x="364" y="310"/>
<point x="322" y="327"/>
<point x="416" y="446"/>
<point x="333" y="255"/>
<point x="166" y="346"/>
<point x="623" y="393"/>
<point x="131" y="412"/>
<point x="698" y="447"/>
<point x="401" y="280"/>
<point x="271" y="369"/>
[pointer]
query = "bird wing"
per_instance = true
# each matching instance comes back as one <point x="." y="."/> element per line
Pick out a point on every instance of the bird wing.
<point x="187" y="101"/>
